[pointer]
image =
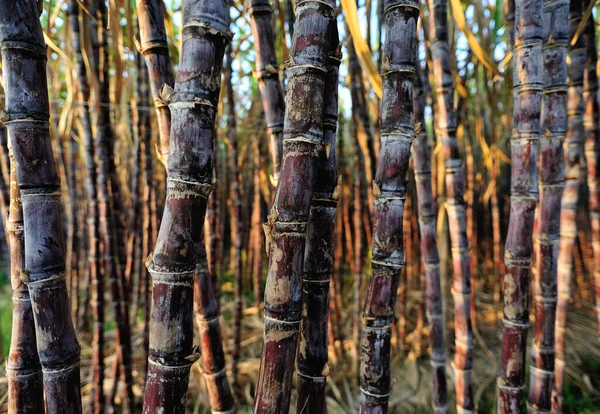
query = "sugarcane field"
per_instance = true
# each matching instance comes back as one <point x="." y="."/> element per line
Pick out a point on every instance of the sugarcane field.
<point x="299" y="206"/>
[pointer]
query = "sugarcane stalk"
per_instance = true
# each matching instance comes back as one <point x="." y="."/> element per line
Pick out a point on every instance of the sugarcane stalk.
<point x="528" y="88"/>
<point x="286" y="227"/>
<point x="389" y="189"/>
<point x="358" y="115"/>
<point x="592" y="148"/>
<point x="211" y="347"/>
<point x="446" y="125"/>
<point x="23" y="369"/>
<point x="551" y="184"/>
<point x="26" y="117"/>
<point x="96" y="279"/>
<point x="155" y="49"/>
<point x="430" y="255"/>
<point x="568" y="218"/>
<point x="190" y="180"/>
<point x="267" y="75"/>
<point x="258" y="236"/>
<point x="312" y="364"/>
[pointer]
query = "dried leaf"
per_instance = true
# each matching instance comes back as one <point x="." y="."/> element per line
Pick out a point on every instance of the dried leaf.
<point x="362" y="49"/>
<point x="376" y="190"/>
<point x="337" y="192"/>
<point x="165" y="94"/>
<point x="461" y="21"/>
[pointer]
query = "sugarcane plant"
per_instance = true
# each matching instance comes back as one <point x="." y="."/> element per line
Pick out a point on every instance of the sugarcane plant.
<point x="155" y="49"/>
<point x="390" y="190"/>
<point x="23" y="369"/>
<point x="570" y="198"/>
<point x="429" y="250"/>
<point x="286" y="228"/>
<point x="193" y="106"/>
<point x="592" y="147"/>
<point x="267" y="75"/>
<point x="446" y="126"/>
<point x="546" y="236"/>
<point x="26" y="117"/>
<point x="211" y="347"/>
<point x="312" y="360"/>
<point x="528" y="89"/>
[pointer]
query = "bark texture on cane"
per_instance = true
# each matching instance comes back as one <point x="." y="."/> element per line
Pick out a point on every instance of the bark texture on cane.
<point x="570" y="198"/>
<point x="97" y="283"/>
<point x="303" y="134"/>
<point x="528" y="89"/>
<point x="592" y="147"/>
<point x="429" y="250"/>
<point x="23" y="369"/>
<point x="551" y="185"/>
<point x="267" y="74"/>
<point x="211" y="346"/>
<point x="155" y="49"/>
<point x="312" y="360"/>
<point x="190" y="180"/>
<point x="389" y="189"/>
<point x="26" y="118"/>
<point x="446" y="125"/>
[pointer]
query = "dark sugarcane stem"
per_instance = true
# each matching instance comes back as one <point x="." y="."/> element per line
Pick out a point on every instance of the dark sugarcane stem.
<point x="237" y="227"/>
<point x="568" y="217"/>
<point x="389" y="189"/>
<point x="155" y="49"/>
<point x="135" y="232"/>
<point x="592" y="148"/>
<point x="211" y="228"/>
<point x="546" y="237"/>
<point x="211" y="346"/>
<point x="312" y="363"/>
<point x="267" y="75"/>
<point x="446" y="125"/>
<point x="23" y="369"/>
<point x="430" y="255"/>
<point x="108" y="200"/>
<point x="528" y="89"/>
<point x="471" y="223"/>
<point x="359" y="111"/>
<point x="256" y="225"/>
<point x="286" y="228"/>
<point x="26" y="117"/>
<point x="190" y="180"/>
<point x="96" y="279"/>
<point x="148" y="213"/>
<point x="335" y="308"/>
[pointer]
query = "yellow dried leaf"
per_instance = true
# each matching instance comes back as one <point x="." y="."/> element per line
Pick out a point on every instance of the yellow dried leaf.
<point x="362" y="49"/>
<point x="376" y="190"/>
<point x="461" y="21"/>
